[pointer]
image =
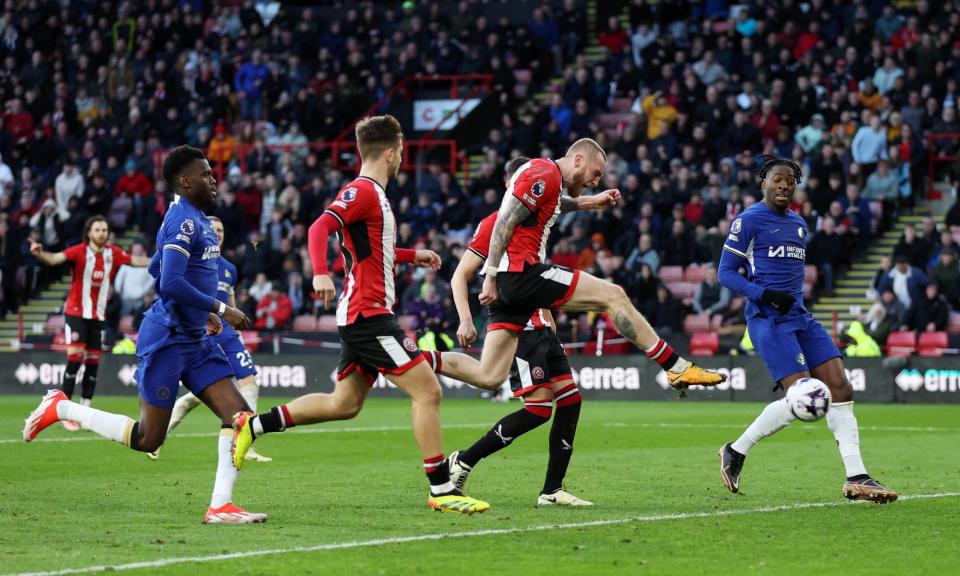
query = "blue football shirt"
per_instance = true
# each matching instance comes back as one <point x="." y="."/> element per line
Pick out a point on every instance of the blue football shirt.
<point x="185" y="232"/>
<point x="773" y="248"/>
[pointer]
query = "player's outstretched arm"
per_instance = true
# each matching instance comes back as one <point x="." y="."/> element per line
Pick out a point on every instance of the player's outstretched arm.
<point x="419" y="258"/>
<point x="600" y="201"/>
<point x="44" y="257"/>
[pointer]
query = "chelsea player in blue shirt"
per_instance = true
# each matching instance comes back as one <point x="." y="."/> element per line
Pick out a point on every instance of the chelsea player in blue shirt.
<point x="174" y="345"/>
<point x="229" y="339"/>
<point x="769" y="241"/>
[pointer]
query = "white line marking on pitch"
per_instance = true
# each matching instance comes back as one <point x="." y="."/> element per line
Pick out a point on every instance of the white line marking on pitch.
<point x="472" y="534"/>
<point x="678" y="425"/>
<point x="794" y="425"/>
<point x="90" y="438"/>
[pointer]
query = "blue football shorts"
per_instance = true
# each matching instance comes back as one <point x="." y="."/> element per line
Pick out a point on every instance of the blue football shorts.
<point x="166" y="359"/>
<point x="237" y="354"/>
<point x="791" y="344"/>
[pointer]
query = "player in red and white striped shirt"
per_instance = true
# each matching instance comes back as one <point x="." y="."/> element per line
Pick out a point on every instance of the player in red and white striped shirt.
<point x="371" y="340"/>
<point x="518" y="281"/>
<point x="540" y="374"/>
<point x="95" y="265"/>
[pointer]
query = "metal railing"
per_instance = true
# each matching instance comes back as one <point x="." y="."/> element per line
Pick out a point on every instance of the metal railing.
<point x="933" y="159"/>
<point x="342" y="155"/>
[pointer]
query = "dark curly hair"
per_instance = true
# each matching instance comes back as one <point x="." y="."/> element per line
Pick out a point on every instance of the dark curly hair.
<point x="178" y="159"/>
<point x="772" y="161"/>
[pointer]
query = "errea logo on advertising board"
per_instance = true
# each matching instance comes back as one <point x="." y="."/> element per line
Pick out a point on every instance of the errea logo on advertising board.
<point x="931" y="380"/>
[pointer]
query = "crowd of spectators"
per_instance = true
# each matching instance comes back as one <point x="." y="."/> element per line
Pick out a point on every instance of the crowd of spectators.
<point x="918" y="287"/>
<point x="92" y="92"/>
<point x="849" y="90"/>
<point x="688" y="100"/>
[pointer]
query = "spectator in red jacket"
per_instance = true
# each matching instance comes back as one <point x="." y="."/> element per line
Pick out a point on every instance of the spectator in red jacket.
<point x="614" y="38"/>
<point x="274" y="311"/>
<point x="19" y="121"/>
<point x="133" y="182"/>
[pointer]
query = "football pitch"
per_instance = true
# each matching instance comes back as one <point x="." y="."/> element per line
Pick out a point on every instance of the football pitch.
<point x="350" y="497"/>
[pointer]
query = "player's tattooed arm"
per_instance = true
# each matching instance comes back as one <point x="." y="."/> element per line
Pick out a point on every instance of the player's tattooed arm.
<point x="568" y="204"/>
<point x="512" y="213"/>
<point x="600" y="201"/>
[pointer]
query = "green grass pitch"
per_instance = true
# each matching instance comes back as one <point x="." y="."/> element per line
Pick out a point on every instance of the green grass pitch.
<point x="350" y="498"/>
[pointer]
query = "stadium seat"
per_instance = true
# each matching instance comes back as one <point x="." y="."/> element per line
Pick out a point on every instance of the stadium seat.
<point x="704" y="344"/>
<point x="126" y="325"/>
<point x="669" y="274"/>
<point x="696" y="323"/>
<point x="810" y="274"/>
<point x="622" y="104"/>
<point x="683" y="290"/>
<point x="407" y="321"/>
<point x="876" y="213"/>
<point x="901" y="343"/>
<point x="120" y="211"/>
<point x="523" y="75"/>
<point x="953" y="326"/>
<point x="251" y="340"/>
<point x="304" y="323"/>
<point x="932" y="343"/>
<point x="55" y="324"/>
<point x="327" y="323"/>
<point x="695" y="274"/>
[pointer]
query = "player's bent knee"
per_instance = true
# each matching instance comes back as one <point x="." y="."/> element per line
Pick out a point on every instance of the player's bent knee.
<point x="616" y="295"/>
<point x="427" y="394"/>
<point x="349" y="410"/>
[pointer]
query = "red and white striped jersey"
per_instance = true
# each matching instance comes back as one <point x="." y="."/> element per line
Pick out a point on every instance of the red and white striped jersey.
<point x="93" y="273"/>
<point x="367" y="241"/>
<point x="480" y="245"/>
<point x="537" y="185"/>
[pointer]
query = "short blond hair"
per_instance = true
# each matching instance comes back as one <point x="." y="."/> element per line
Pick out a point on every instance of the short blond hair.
<point x="377" y="134"/>
<point x="584" y="145"/>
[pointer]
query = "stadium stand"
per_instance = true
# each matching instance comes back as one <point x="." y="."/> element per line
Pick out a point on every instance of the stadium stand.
<point x="686" y="113"/>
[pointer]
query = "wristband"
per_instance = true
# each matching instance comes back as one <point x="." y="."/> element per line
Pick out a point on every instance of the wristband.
<point x="491" y="271"/>
<point x="223" y="308"/>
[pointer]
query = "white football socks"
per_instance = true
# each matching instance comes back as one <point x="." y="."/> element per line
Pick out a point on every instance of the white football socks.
<point x="250" y="392"/>
<point x="843" y="424"/>
<point x="774" y="418"/>
<point x="114" y="427"/>
<point x="183" y="406"/>
<point x="226" y="473"/>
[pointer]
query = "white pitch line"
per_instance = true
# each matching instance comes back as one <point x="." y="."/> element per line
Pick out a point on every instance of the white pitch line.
<point x="795" y="425"/>
<point x="92" y="438"/>
<point x="471" y="534"/>
<point x="676" y="425"/>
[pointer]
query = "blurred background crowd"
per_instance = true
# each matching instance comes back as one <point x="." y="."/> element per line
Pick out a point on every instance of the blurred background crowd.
<point x="849" y="89"/>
